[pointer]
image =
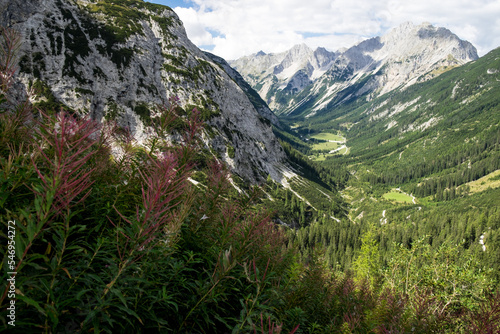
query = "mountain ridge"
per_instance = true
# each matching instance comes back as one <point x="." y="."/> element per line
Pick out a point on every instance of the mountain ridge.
<point x="119" y="59"/>
<point x="313" y="82"/>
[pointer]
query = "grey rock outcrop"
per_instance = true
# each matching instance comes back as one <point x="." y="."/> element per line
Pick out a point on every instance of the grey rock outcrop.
<point x="119" y="60"/>
<point x="276" y="77"/>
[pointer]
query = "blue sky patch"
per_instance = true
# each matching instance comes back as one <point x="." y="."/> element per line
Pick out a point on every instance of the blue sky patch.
<point x="215" y="33"/>
<point x="210" y="47"/>
<point x="308" y="34"/>
<point x="174" y="3"/>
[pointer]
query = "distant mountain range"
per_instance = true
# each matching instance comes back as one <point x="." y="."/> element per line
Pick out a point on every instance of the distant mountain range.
<point x="304" y="82"/>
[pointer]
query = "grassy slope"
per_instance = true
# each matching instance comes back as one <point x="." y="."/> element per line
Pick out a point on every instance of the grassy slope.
<point x="398" y="197"/>
<point x="491" y="180"/>
<point x="328" y="136"/>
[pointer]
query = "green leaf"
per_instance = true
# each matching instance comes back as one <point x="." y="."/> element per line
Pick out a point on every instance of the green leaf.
<point x="4" y="195"/>
<point x="31" y="302"/>
<point x="52" y="314"/>
<point x="30" y="229"/>
<point x="167" y="299"/>
<point x="38" y="204"/>
<point x="49" y="197"/>
<point x="91" y="316"/>
<point x="224" y="321"/>
<point x="81" y="293"/>
<point x="131" y="312"/>
<point x="20" y="245"/>
<point x="120" y="296"/>
<point x="31" y="261"/>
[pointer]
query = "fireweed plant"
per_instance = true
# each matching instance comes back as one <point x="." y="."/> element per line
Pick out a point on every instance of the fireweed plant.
<point x="114" y="237"/>
<point x="125" y="242"/>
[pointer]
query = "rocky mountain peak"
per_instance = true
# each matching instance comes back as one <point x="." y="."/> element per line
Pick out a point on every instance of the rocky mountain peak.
<point x="323" y="57"/>
<point x="92" y="60"/>
<point x="409" y="40"/>
<point x="299" y="50"/>
<point x="403" y="56"/>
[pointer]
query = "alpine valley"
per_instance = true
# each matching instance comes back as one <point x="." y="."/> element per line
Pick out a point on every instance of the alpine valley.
<point x="148" y="186"/>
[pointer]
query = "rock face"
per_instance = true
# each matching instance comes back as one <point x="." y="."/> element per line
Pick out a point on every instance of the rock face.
<point x="254" y="97"/>
<point x="305" y="82"/>
<point x="275" y="76"/>
<point x="119" y="58"/>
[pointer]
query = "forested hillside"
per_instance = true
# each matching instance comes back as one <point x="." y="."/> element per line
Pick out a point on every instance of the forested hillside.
<point x="423" y="168"/>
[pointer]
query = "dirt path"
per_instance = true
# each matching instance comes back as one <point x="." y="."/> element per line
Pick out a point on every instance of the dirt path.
<point x="383" y="220"/>
<point x="337" y="149"/>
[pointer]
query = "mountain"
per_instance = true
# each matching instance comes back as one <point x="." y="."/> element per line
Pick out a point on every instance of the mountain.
<point x="254" y="97"/>
<point x="304" y="82"/>
<point x="289" y="71"/>
<point x="118" y="59"/>
<point x="450" y="122"/>
<point x="401" y="231"/>
<point x="438" y="117"/>
<point x="423" y="167"/>
<point x="443" y="131"/>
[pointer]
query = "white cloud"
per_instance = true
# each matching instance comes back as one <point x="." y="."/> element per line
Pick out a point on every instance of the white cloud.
<point x="239" y="27"/>
<point x="194" y="27"/>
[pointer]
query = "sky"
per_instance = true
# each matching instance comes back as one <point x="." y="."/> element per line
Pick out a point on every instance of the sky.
<point x="235" y="28"/>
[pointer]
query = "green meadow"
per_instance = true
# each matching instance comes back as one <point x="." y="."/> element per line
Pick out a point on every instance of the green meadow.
<point x="398" y="197"/>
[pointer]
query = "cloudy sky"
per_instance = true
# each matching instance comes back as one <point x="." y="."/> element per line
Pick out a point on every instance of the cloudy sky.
<point x="234" y="28"/>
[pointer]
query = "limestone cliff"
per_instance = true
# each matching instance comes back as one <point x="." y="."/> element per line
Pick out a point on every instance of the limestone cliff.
<point x="119" y="58"/>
